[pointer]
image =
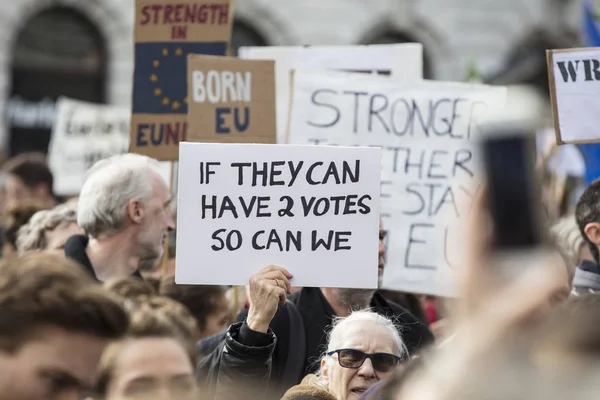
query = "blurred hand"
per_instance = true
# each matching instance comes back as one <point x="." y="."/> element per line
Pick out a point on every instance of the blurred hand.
<point x="489" y="309"/>
<point x="440" y="329"/>
<point x="268" y="289"/>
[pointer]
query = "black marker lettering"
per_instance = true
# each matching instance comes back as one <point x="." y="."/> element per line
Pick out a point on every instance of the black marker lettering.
<point x="314" y="100"/>
<point x="276" y="172"/>
<point x="240" y="167"/>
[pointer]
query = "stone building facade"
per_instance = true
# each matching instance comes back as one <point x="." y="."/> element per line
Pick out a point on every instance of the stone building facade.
<point x="83" y="48"/>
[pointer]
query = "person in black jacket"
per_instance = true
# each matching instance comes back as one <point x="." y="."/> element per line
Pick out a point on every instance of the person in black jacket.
<point x="317" y="313"/>
<point x="232" y="362"/>
<point x="301" y="325"/>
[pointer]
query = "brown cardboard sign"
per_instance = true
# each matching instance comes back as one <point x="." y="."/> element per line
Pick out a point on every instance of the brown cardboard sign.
<point x="165" y="33"/>
<point x="231" y="100"/>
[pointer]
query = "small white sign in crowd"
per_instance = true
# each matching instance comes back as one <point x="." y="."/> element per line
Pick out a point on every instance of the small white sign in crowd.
<point x="84" y="133"/>
<point x="574" y="80"/>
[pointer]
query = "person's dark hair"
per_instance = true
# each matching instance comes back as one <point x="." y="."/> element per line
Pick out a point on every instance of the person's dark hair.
<point x="154" y="283"/>
<point x="43" y="290"/>
<point x="201" y="301"/>
<point x="182" y="321"/>
<point x="146" y="322"/>
<point x="408" y="301"/>
<point x="32" y="169"/>
<point x="17" y="216"/>
<point x="588" y="211"/>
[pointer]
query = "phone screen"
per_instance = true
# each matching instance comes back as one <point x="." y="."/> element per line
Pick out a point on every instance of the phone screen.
<point x="512" y="195"/>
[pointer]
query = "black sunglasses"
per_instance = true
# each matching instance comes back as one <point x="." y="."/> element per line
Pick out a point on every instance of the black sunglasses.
<point x="352" y="358"/>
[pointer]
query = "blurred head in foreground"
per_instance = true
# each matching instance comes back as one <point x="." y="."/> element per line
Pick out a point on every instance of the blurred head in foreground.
<point x="17" y="216"/>
<point x="153" y="360"/>
<point x="29" y="179"/>
<point x="48" y="230"/>
<point x="54" y="326"/>
<point x="363" y="349"/>
<point x="551" y="358"/>
<point x="129" y="288"/>
<point x="207" y="304"/>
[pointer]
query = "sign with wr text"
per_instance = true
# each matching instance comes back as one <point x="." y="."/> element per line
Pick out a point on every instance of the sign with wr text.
<point x="574" y="76"/>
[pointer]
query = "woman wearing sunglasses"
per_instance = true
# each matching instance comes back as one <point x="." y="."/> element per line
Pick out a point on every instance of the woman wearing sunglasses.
<point x="363" y="349"/>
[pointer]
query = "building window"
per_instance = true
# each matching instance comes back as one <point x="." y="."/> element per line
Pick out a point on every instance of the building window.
<point x="395" y="38"/>
<point x="58" y="52"/>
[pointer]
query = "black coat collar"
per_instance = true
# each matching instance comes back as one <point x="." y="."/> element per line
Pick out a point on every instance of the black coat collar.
<point x="75" y="249"/>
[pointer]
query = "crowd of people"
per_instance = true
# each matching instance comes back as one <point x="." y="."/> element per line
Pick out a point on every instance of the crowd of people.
<point x="89" y="309"/>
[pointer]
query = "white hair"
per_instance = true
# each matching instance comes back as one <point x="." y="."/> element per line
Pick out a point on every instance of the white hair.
<point x="32" y="236"/>
<point x="340" y="326"/>
<point x="109" y="186"/>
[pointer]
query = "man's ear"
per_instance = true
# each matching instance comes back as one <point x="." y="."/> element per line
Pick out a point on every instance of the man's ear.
<point x="135" y="211"/>
<point x="592" y="231"/>
<point x="324" y="370"/>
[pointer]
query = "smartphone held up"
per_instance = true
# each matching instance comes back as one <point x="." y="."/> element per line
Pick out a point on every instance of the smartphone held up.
<point x="513" y="189"/>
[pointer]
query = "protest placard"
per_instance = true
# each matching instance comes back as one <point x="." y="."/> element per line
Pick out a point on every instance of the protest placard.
<point x="232" y="100"/>
<point x="401" y="61"/>
<point x="165" y="33"/>
<point x="313" y="210"/>
<point x="565" y="160"/>
<point x="84" y="133"/>
<point x="574" y="75"/>
<point x="430" y="163"/>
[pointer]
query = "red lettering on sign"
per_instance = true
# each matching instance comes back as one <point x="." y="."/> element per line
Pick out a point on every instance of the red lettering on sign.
<point x="175" y="133"/>
<point x="156" y="8"/>
<point x="167" y="14"/>
<point x="179" y="32"/>
<point x="178" y="9"/>
<point x="145" y="16"/>
<point x="214" y="14"/>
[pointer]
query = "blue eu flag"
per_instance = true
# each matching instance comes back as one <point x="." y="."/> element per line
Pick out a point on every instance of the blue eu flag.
<point x="591" y="37"/>
<point x="160" y="82"/>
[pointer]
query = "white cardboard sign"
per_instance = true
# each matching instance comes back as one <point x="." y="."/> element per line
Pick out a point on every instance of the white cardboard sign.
<point x="83" y="134"/>
<point x="402" y="62"/>
<point x="429" y="163"/>
<point x="574" y="83"/>
<point x="242" y="207"/>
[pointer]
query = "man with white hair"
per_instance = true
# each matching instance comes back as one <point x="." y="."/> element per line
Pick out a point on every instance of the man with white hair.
<point x="124" y="210"/>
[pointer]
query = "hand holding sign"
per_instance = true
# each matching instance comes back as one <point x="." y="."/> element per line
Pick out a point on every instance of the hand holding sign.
<point x="267" y="288"/>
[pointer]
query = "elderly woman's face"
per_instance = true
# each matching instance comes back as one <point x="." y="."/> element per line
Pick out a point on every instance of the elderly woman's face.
<point x="351" y="383"/>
